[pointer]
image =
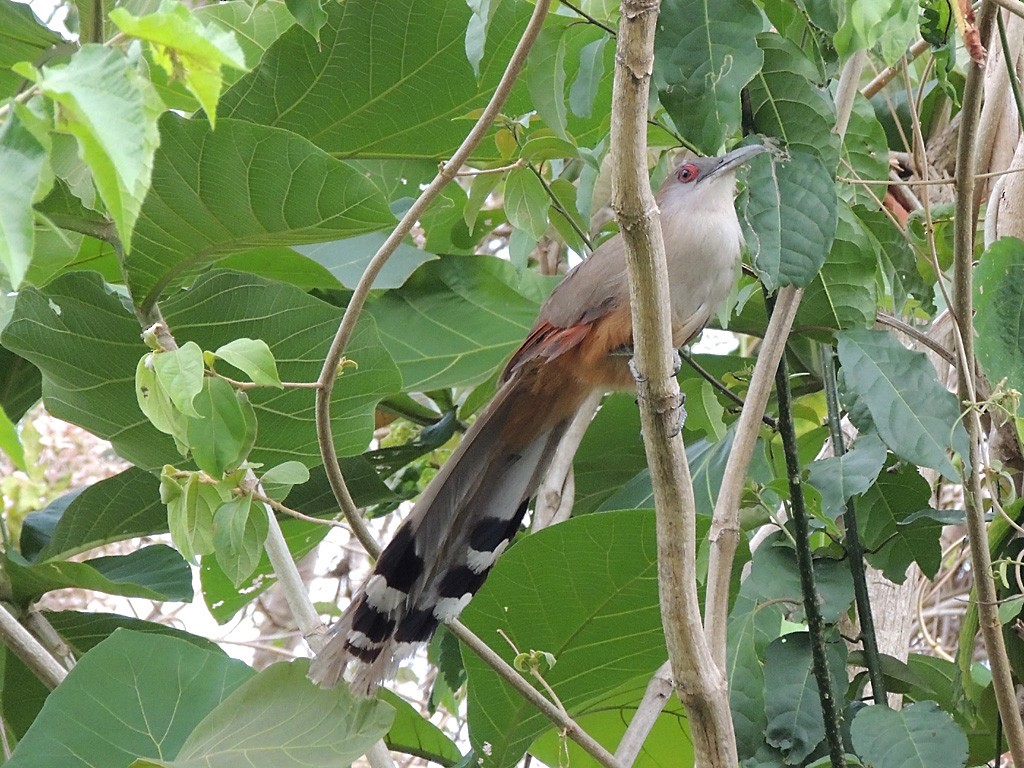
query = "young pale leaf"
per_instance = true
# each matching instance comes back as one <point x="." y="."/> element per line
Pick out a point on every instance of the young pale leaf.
<point x="476" y="32"/>
<point x="190" y="513"/>
<point x="186" y="48"/>
<point x="22" y="159"/>
<point x="180" y="374"/>
<point x="278" y="481"/>
<point x="113" y="706"/>
<point x="702" y="59"/>
<point x="999" y="294"/>
<point x="240" y="528"/>
<point x="791" y="215"/>
<point x="221" y="438"/>
<point x="583" y="90"/>
<point x="10" y="443"/>
<point x="919" y="736"/>
<point x="112" y="111"/>
<point x="526" y="202"/>
<point x="915" y="415"/>
<point x="157" y="405"/>
<point x="254" y="358"/>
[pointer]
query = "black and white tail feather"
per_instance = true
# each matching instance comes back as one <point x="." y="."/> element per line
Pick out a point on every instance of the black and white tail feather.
<point x="443" y="552"/>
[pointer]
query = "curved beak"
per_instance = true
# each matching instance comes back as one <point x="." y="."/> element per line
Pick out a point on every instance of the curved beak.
<point x="732" y="160"/>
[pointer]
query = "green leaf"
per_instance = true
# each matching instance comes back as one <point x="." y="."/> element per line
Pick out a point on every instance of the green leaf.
<point x="702" y="59"/>
<point x="897" y="262"/>
<point x="133" y="695"/>
<point x="277" y="481"/>
<point x="22" y="158"/>
<point x="223" y="435"/>
<point x="865" y="153"/>
<point x="315" y="499"/>
<point x="840" y="478"/>
<point x="922" y="735"/>
<point x="268" y="719"/>
<point x="585" y="85"/>
<point x="893" y="541"/>
<point x="868" y="23"/>
<point x="255" y="27"/>
<point x="253" y="358"/>
<point x="240" y="528"/>
<point x="185" y="48"/>
<point x="330" y="99"/>
<point x="180" y="372"/>
<point x="787" y="104"/>
<point x="347" y="259"/>
<point x="413" y="734"/>
<point x="1000" y="318"/>
<point x="155" y="402"/>
<point x="87" y="341"/>
<point x="190" y="512"/>
<point x="120" y="507"/>
<point x="545" y="77"/>
<point x="10" y="443"/>
<point x="842" y="295"/>
<point x="111" y="109"/>
<point x="774" y="577"/>
<point x="915" y="415"/>
<point x="309" y="14"/>
<point x="19" y="381"/>
<point x="597" y="612"/>
<point x="795" y="723"/>
<point x="425" y="324"/>
<point x="22" y="38"/>
<point x="156" y="572"/>
<point x="791" y="213"/>
<point x="526" y="202"/>
<point x="751" y="628"/>
<point x="239" y="187"/>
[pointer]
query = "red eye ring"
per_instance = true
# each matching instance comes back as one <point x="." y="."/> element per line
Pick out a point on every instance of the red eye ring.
<point x="688" y="173"/>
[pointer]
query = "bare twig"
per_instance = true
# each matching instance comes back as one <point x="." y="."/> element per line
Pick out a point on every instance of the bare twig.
<point x="328" y="375"/>
<point x="963" y="299"/>
<point x="550" y="495"/>
<point x="21" y="642"/>
<point x="659" y="691"/>
<point x="1015" y="7"/>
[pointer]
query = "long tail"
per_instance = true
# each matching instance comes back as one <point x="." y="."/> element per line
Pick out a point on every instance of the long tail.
<point x="463" y="521"/>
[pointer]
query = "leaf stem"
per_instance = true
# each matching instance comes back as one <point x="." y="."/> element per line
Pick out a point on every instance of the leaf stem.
<point x="559" y="207"/>
<point x="805" y="562"/>
<point x="854" y="546"/>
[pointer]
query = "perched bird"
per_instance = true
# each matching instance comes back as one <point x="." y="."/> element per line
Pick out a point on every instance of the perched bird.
<point x="470" y="511"/>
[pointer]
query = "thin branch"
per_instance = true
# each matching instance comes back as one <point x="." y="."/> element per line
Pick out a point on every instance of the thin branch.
<point x="546" y="707"/>
<point x="21" y="642"/>
<point x="580" y="12"/>
<point x="963" y="303"/>
<point x="44" y="632"/>
<point x="657" y="695"/>
<point x="1016" y="7"/>
<point x="884" y="318"/>
<point x="285" y="510"/>
<point x="245" y="385"/>
<point x="557" y="204"/>
<point x="805" y="564"/>
<point x="328" y="375"/>
<point x="725" y="523"/>
<point x="552" y="488"/>
<point x="886" y="75"/>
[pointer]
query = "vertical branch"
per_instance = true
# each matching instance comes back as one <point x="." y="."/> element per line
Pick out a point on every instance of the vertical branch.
<point x="699" y="681"/>
<point x="963" y="307"/>
<point x="805" y="562"/>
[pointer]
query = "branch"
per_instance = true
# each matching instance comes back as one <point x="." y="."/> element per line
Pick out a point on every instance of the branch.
<point x="699" y="681"/>
<point x="447" y="172"/>
<point x="724" y="535"/>
<point x="553" y="489"/>
<point x="658" y="692"/>
<point x="29" y="650"/>
<point x="963" y="303"/>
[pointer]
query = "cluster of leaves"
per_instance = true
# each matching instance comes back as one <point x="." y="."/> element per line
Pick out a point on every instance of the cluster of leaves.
<point x="148" y="176"/>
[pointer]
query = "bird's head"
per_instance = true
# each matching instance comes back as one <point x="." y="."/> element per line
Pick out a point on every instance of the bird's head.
<point x="703" y="183"/>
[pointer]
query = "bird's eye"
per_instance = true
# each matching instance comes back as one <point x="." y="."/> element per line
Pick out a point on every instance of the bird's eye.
<point x="687" y="173"/>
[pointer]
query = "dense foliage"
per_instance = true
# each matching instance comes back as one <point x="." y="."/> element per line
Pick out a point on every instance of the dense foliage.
<point x="230" y="169"/>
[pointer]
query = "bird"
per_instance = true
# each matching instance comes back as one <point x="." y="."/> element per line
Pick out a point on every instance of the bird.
<point x="470" y="511"/>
